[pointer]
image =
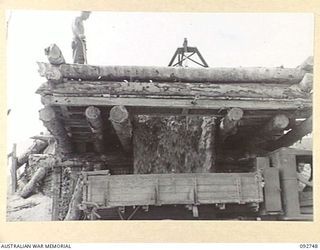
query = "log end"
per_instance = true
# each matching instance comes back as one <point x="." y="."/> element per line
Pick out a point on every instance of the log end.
<point x="307" y="65"/>
<point x="306" y="83"/>
<point x="235" y="114"/>
<point x="119" y="114"/>
<point x="54" y="55"/>
<point x="280" y="122"/>
<point x="47" y="114"/>
<point x="92" y="112"/>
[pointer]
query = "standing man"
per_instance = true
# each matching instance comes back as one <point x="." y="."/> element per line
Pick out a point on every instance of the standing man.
<point x="79" y="39"/>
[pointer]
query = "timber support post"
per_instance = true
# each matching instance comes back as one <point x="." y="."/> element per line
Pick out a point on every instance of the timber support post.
<point x="228" y="124"/>
<point x="119" y="117"/>
<point x="53" y="124"/>
<point x="93" y="116"/>
<point x="293" y="135"/>
<point x="271" y="131"/>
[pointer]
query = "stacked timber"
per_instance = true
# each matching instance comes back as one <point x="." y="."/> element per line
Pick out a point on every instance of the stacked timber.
<point x="169" y="87"/>
<point x="173" y="144"/>
<point x="160" y="141"/>
<point x="38" y="175"/>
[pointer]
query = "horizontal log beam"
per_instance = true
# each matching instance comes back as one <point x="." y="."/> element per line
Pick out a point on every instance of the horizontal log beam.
<point x="247" y="90"/>
<point x="169" y="103"/>
<point x="172" y="74"/>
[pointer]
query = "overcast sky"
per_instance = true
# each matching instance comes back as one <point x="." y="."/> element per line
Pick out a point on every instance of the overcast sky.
<point x="120" y="38"/>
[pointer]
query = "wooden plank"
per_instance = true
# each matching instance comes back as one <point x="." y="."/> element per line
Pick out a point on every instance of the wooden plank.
<point x="128" y="190"/>
<point x="207" y="104"/>
<point x="272" y="191"/>
<point x="286" y="163"/>
<point x="172" y="74"/>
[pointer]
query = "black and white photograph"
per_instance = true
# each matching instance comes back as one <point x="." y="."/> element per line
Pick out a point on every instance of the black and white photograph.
<point x="159" y="116"/>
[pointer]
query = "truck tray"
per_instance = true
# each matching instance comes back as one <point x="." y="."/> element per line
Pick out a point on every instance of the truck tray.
<point x="164" y="189"/>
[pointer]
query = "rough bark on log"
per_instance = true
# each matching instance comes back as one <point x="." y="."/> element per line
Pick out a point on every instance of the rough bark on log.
<point x="307" y="82"/>
<point x="172" y="74"/>
<point x="173" y="144"/>
<point x="206" y="144"/>
<point x="37" y="147"/>
<point x="94" y="119"/>
<point x="54" y="55"/>
<point x="121" y="123"/>
<point x="163" y="89"/>
<point x="53" y="74"/>
<point x="228" y="125"/>
<point x="44" y="166"/>
<point x="74" y="211"/>
<point x="307" y="65"/>
<point x="53" y="124"/>
<point x="293" y="136"/>
<point x="277" y="124"/>
<point x="270" y="132"/>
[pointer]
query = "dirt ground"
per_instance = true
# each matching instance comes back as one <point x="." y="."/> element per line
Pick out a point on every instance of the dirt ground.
<point x="35" y="208"/>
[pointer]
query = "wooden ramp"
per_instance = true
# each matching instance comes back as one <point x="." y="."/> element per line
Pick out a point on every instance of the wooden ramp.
<point x="163" y="189"/>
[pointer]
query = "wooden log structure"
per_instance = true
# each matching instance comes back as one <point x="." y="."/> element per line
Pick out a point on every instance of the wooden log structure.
<point x="270" y="131"/>
<point x="45" y="162"/>
<point x="93" y="116"/>
<point x="207" y="144"/>
<point x="50" y="120"/>
<point x="307" y="65"/>
<point x="228" y="125"/>
<point x="37" y="147"/>
<point x="277" y="124"/>
<point x="54" y="55"/>
<point x="120" y="120"/>
<point x="176" y="95"/>
<point x="174" y="89"/>
<point x="306" y="83"/>
<point x="53" y="74"/>
<point x="172" y="74"/>
<point x="293" y="135"/>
